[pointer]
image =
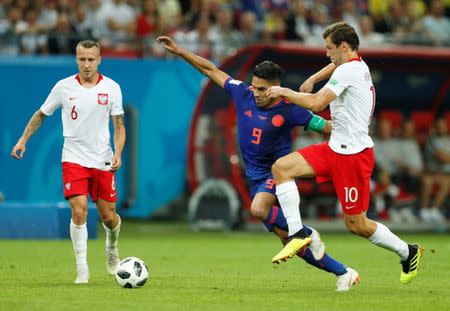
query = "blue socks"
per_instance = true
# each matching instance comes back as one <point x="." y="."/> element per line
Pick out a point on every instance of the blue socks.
<point x="276" y="219"/>
<point x="327" y="263"/>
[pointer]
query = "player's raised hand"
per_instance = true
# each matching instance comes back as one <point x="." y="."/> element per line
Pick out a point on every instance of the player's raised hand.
<point x="276" y="91"/>
<point x="169" y="44"/>
<point x="116" y="163"/>
<point x="19" y="147"/>
<point x="306" y="87"/>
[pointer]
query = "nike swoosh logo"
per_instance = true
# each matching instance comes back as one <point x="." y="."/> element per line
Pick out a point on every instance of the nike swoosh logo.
<point x="72" y="98"/>
<point x="112" y="194"/>
<point x="350" y="207"/>
<point x="262" y="118"/>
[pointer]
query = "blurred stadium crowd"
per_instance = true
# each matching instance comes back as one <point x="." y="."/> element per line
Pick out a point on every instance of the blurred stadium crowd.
<point x="411" y="182"/>
<point x="408" y="188"/>
<point x="212" y="28"/>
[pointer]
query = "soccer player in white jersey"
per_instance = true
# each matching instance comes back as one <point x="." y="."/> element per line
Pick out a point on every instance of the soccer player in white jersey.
<point x="87" y="100"/>
<point x="347" y="159"/>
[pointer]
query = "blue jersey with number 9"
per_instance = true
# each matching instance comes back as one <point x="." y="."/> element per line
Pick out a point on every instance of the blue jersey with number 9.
<point x="264" y="134"/>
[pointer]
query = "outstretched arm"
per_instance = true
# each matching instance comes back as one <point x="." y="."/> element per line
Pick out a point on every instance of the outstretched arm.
<point x="323" y="74"/>
<point x="119" y="141"/>
<point x="201" y="64"/>
<point x="32" y="126"/>
<point x="314" y="102"/>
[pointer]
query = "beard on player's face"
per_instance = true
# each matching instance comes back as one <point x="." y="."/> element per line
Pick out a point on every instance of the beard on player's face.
<point x="264" y="101"/>
<point x="260" y="87"/>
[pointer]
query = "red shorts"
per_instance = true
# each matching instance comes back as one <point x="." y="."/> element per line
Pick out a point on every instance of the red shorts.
<point x="350" y="174"/>
<point x="80" y="180"/>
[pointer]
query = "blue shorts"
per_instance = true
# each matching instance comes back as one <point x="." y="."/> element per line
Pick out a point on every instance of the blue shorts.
<point x="261" y="185"/>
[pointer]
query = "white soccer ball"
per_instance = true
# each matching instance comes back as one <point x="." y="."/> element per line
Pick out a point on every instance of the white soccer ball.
<point x="131" y="272"/>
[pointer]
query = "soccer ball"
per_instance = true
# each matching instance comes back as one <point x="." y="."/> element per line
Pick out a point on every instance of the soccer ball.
<point x="131" y="272"/>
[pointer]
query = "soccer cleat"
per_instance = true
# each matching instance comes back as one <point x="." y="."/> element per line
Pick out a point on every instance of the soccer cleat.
<point x="294" y="246"/>
<point x="82" y="275"/>
<point x="317" y="247"/>
<point x="112" y="260"/>
<point x="411" y="265"/>
<point x="346" y="280"/>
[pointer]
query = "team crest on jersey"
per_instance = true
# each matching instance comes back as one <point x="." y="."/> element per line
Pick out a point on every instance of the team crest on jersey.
<point x="102" y="99"/>
<point x="68" y="186"/>
<point x="277" y="120"/>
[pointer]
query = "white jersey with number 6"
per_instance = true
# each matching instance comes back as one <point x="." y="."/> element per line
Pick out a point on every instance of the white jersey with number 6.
<point x="85" y="117"/>
<point x="352" y="110"/>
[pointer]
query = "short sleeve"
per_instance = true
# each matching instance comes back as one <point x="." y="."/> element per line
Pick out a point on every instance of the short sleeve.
<point x="339" y="81"/>
<point x="116" y="104"/>
<point x="237" y="89"/>
<point x="300" y="116"/>
<point x="53" y="101"/>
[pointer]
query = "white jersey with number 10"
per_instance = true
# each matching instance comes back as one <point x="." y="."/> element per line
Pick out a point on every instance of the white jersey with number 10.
<point x="85" y="117"/>
<point x="352" y="110"/>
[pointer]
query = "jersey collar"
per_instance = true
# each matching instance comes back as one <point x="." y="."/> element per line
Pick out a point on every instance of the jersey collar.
<point x="277" y="103"/>
<point x="100" y="78"/>
<point x="355" y="59"/>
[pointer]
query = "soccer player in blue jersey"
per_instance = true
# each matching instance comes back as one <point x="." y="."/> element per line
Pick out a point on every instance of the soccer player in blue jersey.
<point x="264" y="131"/>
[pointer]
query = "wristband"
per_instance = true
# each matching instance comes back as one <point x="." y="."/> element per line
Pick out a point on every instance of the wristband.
<point x="316" y="124"/>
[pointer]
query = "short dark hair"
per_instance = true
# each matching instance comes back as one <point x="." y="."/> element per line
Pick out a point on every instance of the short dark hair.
<point x="340" y="32"/>
<point x="87" y="44"/>
<point x="268" y="70"/>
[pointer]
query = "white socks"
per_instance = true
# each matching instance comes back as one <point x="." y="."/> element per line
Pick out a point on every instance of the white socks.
<point x="385" y="238"/>
<point x="79" y="236"/>
<point x="112" y="235"/>
<point x="289" y="199"/>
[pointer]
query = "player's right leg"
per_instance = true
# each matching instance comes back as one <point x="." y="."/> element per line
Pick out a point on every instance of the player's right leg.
<point x="284" y="171"/>
<point x="76" y="185"/>
<point x="79" y="236"/>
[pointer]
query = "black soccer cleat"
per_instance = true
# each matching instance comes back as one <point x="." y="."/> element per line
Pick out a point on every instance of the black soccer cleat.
<point x="411" y="265"/>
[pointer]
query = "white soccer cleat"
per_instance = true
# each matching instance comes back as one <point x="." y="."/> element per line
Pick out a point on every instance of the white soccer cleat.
<point x="112" y="260"/>
<point x="346" y="280"/>
<point x="317" y="247"/>
<point x="82" y="275"/>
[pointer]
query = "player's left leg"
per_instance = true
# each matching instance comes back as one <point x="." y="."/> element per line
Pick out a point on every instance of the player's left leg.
<point x="105" y="198"/>
<point x="351" y="180"/>
<point x="380" y="235"/>
<point x="111" y="223"/>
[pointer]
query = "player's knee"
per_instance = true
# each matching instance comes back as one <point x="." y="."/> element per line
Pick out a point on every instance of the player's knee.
<point x="108" y="219"/>
<point x="257" y="211"/>
<point x="279" y="168"/>
<point x="79" y="214"/>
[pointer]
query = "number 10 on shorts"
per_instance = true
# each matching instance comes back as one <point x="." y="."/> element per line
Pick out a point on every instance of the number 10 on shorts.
<point x="351" y="194"/>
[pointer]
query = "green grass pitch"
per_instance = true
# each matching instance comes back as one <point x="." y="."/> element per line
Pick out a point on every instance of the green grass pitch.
<point x="219" y="271"/>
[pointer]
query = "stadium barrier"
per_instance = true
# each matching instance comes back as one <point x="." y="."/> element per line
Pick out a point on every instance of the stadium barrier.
<point x="41" y="220"/>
